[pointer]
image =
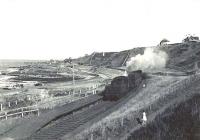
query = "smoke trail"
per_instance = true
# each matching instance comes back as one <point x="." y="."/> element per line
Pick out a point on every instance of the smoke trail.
<point x="152" y="58"/>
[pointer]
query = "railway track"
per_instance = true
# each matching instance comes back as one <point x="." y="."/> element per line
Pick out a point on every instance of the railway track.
<point x="66" y="124"/>
<point x="46" y="118"/>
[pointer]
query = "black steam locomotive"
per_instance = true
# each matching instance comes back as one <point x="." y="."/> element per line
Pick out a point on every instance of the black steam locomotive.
<point x="121" y="85"/>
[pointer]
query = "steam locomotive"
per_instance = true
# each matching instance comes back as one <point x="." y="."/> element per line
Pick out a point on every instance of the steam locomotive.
<point x="121" y="85"/>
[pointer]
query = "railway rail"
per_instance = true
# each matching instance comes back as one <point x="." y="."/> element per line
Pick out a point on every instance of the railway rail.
<point x="68" y="123"/>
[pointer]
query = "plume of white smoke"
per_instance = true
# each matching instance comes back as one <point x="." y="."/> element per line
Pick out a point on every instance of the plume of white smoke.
<point x="153" y="58"/>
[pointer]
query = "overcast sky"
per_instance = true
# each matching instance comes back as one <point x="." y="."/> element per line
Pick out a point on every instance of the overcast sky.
<point x="45" y="29"/>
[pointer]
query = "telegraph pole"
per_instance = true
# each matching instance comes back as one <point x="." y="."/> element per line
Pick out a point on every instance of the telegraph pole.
<point x="73" y="74"/>
<point x="73" y="80"/>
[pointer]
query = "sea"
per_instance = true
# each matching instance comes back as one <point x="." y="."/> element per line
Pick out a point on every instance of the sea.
<point x="7" y="63"/>
<point x="7" y="66"/>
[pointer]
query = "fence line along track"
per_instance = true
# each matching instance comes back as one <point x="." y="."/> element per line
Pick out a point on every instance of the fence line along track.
<point x="28" y="109"/>
<point x="19" y="112"/>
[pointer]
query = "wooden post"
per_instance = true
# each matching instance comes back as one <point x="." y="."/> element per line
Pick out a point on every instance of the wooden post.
<point x="1" y="107"/>
<point x="6" y="115"/>
<point x="73" y="74"/>
<point x="122" y="121"/>
<point x="9" y="104"/>
<point x="91" y="138"/>
<point x="38" y="112"/>
<point x="80" y="91"/>
<point x="22" y="113"/>
<point x="103" y="131"/>
<point x="16" y="102"/>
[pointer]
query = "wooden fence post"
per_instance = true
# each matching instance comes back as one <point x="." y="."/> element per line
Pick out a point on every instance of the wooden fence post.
<point x="22" y="113"/>
<point x="6" y="115"/>
<point x="16" y="102"/>
<point x="38" y="112"/>
<point x="1" y="107"/>
<point x="122" y="121"/>
<point x="9" y="104"/>
<point x="91" y="137"/>
<point x="103" y="131"/>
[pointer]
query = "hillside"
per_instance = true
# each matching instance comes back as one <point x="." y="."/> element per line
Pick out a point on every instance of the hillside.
<point x="110" y="59"/>
<point x="184" y="116"/>
<point x="181" y="55"/>
<point x="170" y="98"/>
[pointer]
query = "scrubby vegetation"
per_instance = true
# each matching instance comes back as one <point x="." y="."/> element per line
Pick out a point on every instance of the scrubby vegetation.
<point x="180" y="122"/>
<point x="120" y="123"/>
